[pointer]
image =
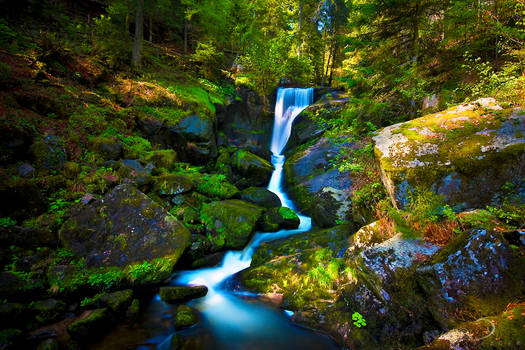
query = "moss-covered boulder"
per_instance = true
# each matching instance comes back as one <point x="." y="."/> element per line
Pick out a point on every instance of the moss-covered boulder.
<point x="317" y="186"/>
<point x="186" y="316"/>
<point x="260" y="196"/>
<point x="48" y="311"/>
<point x="133" y="170"/>
<point x="21" y="198"/>
<point x="122" y="228"/>
<point x="49" y="152"/>
<point x="280" y="218"/>
<point x="117" y="302"/>
<point x="256" y="169"/>
<point x="230" y="223"/>
<point x="171" y="185"/>
<point x="91" y="325"/>
<point x="108" y="148"/>
<point x="180" y="294"/>
<point x="466" y="153"/>
<point x="165" y="158"/>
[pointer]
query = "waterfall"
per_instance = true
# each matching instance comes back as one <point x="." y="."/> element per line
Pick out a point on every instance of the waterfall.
<point x="290" y="102"/>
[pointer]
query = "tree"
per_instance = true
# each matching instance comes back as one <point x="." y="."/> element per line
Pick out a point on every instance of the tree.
<point x="139" y="33"/>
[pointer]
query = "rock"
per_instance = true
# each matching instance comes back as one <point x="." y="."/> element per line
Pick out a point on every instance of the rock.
<point x="215" y="186"/>
<point x="117" y="302"/>
<point x="26" y="170"/>
<point x="13" y="315"/>
<point x="165" y="158"/>
<point x="317" y="187"/>
<point x="431" y="104"/>
<point x="186" y="317"/>
<point x="135" y="171"/>
<point x="171" y="185"/>
<point x="124" y="227"/>
<point x="27" y="237"/>
<point x="15" y="143"/>
<point x="21" y="199"/>
<point x="179" y="294"/>
<point x="230" y="223"/>
<point x="257" y="170"/>
<point x="9" y="337"/>
<point x="246" y="123"/>
<point x="455" y="153"/>
<point x="49" y="344"/>
<point x="91" y="325"/>
<point x="280" y="218"/>
<point x="88" y="198"/>
<point x="49" y="152"/>
<point x="260" y="196"/>
<point x="132" y="313"/>
<point x="108" y="148"/>
<point x="474" y="270"/>
<point x="305" y="129"/>
<point x="208" y="260"/>
<point x="48" y="311"/>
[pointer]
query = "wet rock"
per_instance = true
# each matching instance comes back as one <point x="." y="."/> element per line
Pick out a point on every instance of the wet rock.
<point x="117" y="302"/>
<point x="208" y="260"/>
<point x="26" y="170"/>
<point x="455" y="153"/>
<point x="186" y="316"/>
<point x="124" y="227"/>
<point x="108" y="148"/>
<point x="305" y="129"/>
<point x="179" y="294"/>
<point x="48" y="311"/>
<point x="256" y="169"/>
<point x="280" y="218"/>
<point x="260" y="196"/>
<point x="28" y="237"/>
<point x="91" y="325"/>
<point x="317" y="187"/>
<point x="230" y="223"/>
<point x="162" y="158"/>
<point x="132" y="313"/>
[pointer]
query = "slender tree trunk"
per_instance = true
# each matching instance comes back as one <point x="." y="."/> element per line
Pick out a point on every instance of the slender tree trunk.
<point x="139" y="33"/>
<point x="334" y="48"/>
<point x="330" y="58"/>
<point x="300" y="44"/>
<point x="186" y="25"/>
<point x="150" y="28"/>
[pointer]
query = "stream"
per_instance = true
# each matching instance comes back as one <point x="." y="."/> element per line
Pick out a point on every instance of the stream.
<point x="231" y="319"/>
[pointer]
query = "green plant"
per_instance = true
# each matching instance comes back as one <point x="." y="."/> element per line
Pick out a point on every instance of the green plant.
<point x="358" y="319"/>
<point x="6" y="222"/>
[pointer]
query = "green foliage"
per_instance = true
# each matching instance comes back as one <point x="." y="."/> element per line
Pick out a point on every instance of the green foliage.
<point x="358" y="319"/>
<point x="6" y="222"/>
<point x="111" y="41"/>
<point x="209" y="60"/>
<point x="425" y="205"/>
<point x="105" y="279"/>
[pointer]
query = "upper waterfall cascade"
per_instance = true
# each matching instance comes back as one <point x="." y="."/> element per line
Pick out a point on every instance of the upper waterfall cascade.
<point x="290" y="102"/>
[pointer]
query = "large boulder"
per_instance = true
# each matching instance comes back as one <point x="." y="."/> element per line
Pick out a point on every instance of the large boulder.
<point x="180" y="294"/>
<point x="91" y="325"/>
<point x="280" y="218"/>
<point x="122" y="228"/>
<point x="317" y="186"/>
<point x="466" y="153"/>
<point x="260" y="196"/>
<point x="230" y="223"/>
<point x="255" y="169"/>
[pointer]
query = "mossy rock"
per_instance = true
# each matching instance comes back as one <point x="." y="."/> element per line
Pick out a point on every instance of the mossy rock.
<point x="49" y="152"/>
<point x="165" y="158"/>
<point x="13" y="315"/>
<point x="135" y="171"/>
<point x="186" y="317"/>
<point x="48" y="311"/>
<point x="455" y="153"/>
<point x="256" y="169"/>
<point x="117" y="302"/>
<point x="108" y="148"/>
<point x="180" y="294"/>
<point x="91" y="325"/>
<point x="280" y="218"/>
<point x="133" y="310"/>
<point x="171" y="185"/>
<point x="214" y="186"/>
<point x="260" y="196"/>
<point x="123" y="228"/>
<point x="70" y="170"/>
<point x="230" y="223"/>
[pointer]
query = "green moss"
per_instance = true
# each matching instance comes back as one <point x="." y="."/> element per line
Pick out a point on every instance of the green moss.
<point x="287" y="213"/>
<point x="186" y="316"/>
<point x="215" y="186"/>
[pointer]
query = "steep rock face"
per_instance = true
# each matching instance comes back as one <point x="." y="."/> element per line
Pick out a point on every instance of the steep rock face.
<point x="306" y="128"/>
<point x="317" y="186"/>
<point x="455" y="153"/>
<point x="193" y="137"/>
<point x="246" y="124"/>
<point x="124" y="227"/>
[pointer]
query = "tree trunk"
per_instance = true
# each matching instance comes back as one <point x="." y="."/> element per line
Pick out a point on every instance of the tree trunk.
<point x="139" y="33"/>
<point x="186" y="25"/>
<point x="150" y="28"/>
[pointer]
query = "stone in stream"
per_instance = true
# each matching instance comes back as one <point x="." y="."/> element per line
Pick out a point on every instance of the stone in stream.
<point x="186" y="316"/>
<point x="260" y="196"/>
<point x="91" y="325"/>
<point x="455" y="153"/>
<point x="280" y="218"/>
<point x="179" y="294"/>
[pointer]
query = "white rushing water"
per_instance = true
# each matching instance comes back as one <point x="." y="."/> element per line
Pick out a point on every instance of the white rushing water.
<point x="235" y="322"/>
